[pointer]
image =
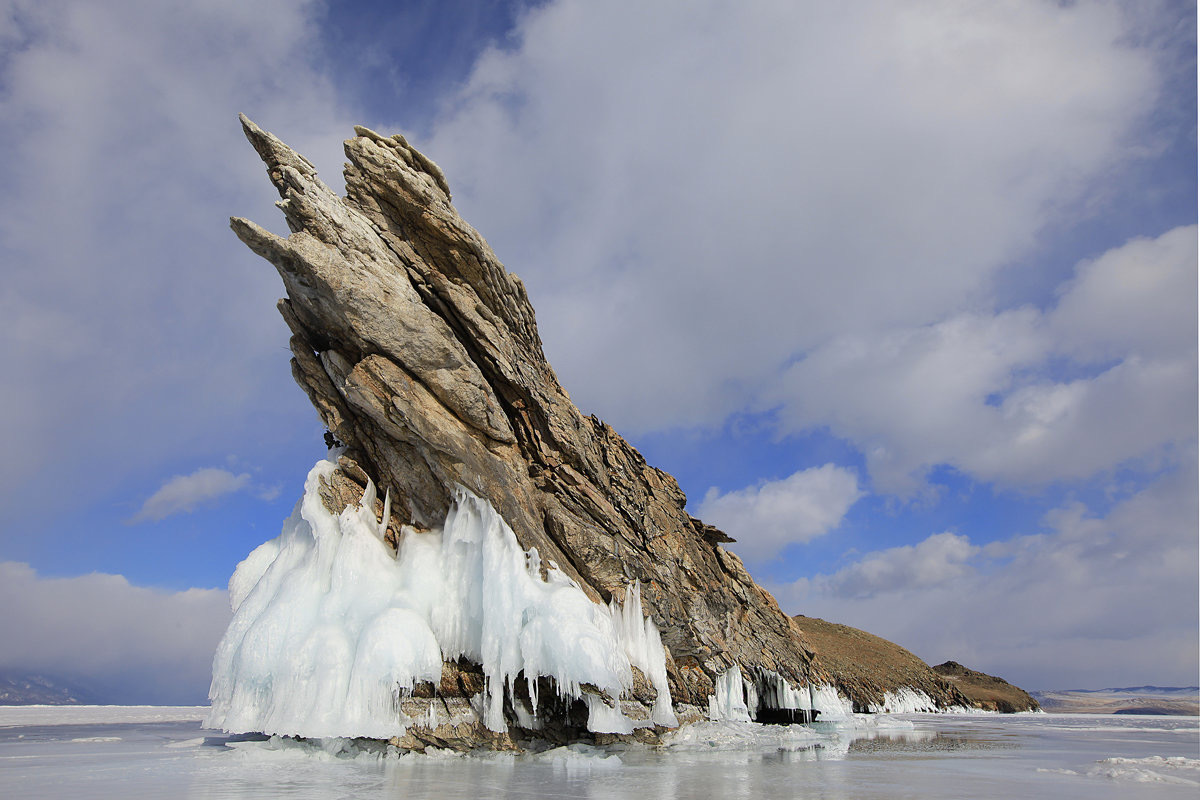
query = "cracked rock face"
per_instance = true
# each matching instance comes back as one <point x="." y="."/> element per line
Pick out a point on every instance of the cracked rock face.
<point x="421" y="354"/>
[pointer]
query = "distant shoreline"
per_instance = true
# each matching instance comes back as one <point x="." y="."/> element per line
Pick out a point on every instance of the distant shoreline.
<point x="1148" y="700"/>
<point x="72" y="714"/>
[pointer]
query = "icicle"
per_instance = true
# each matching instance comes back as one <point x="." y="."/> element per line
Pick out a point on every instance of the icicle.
<point x="387" y="513"/>
<point x="329" y="621"/>
<point x="727" y="701"/>
<point x="368" y="497"/>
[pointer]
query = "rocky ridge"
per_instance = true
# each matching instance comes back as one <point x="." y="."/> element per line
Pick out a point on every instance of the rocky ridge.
<point x="866" y="667"/>
<point x="421" y="354"/>
<point x="23" y="688"/>
<point x="985" y="691"/>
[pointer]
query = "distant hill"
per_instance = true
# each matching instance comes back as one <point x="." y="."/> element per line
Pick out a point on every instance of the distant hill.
<point x="987" y="691"/>
<point x="1155" y="700"/>
<point x="26" y="689"/>
<point x="864" y="667"/>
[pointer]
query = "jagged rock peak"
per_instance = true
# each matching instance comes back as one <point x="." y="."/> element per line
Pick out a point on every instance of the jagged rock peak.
<point x="421" y="354"/>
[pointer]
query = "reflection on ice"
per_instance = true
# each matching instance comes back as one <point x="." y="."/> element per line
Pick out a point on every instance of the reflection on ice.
<point x="864" y="758"/>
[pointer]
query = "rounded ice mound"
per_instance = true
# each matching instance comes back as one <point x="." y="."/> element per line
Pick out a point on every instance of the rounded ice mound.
<point x="331" y="628"/>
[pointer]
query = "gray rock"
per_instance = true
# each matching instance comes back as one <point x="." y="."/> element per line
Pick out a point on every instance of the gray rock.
<point x="421" y="354"/>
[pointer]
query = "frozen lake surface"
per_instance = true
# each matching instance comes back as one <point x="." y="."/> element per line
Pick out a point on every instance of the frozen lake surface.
<point x="103" y="752"/>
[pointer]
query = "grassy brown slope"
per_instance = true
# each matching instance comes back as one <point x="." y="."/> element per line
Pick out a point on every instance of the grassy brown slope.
<point x="865" y="666"/>
<point x="987" y="691"/>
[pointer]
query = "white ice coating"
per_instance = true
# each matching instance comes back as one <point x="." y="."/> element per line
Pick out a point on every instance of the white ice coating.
<point x="773" y="691"/>
<point x="643" y="648"/>
<point x="831" y="703"/>
<point x="905" y="700"/>
<point x="331" y="628"/>
<point x="737" y="698"/>
<point x="729" y="700"/>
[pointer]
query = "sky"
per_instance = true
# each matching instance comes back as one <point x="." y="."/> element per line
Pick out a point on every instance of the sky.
<point x="904" y="294"/>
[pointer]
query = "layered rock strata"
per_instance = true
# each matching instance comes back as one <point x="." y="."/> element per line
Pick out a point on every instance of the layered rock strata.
<point x="421" y="354"/>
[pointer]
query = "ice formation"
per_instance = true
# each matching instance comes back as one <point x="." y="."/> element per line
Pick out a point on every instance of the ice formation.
<point x="331" y="628"/>
<point x="729" y="700"/>
<point x="905" y="700"/>
<point x="742" y="699"/>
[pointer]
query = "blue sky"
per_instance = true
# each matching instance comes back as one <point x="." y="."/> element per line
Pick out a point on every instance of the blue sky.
<point x="904" y="294"/>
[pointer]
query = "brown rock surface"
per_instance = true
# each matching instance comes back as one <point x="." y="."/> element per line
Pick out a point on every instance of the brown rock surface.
<point x="987" y="691"/>
<point x="421" y="354"/>
<point x="864" y="666"/>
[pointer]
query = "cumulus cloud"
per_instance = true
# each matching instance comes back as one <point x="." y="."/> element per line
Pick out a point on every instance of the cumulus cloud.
<point x="1089" y="601"/>
<point x="932" y="562"/>
<point x="183" y="493"/>
<point x="746" y="182"/>
<point x="1023" y="396"/>
<point x="1137" y="300"/>
<point x="767" y="517"/>
<point x="128" y="644"/>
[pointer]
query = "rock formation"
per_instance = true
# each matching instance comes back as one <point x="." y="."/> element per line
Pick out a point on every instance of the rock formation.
<point x="987" y="692"/>
<point x="421" y="354"/>
<point x="422" y="357"/>
<point x="866" y="668"/>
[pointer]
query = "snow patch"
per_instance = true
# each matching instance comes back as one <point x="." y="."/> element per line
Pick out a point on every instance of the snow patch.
<point x="728" y="734"/>
<point x="13" y="716"/>
<point x="1178" y="770"/>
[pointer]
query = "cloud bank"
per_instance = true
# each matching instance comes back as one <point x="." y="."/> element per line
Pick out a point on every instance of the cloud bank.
<point x="740" y="188"/>
<point x="139" y="326"/>
<point x="1089" y="600"/>
<point x="128" y="644"/>
<point x="1021" y="397"/>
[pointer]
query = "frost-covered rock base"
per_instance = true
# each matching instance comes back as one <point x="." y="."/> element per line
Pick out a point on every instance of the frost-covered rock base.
<point x="456" y="631"/>
<point x="454" y="637"/>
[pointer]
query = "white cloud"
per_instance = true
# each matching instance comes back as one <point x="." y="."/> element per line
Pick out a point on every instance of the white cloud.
<point x="129" y="643"/>
<point x="738" y="184"/>
<point x="936" y="560"/>
<point x="1023" y="397"/>
<point x="184" y="493"/>
<point x="771" y="515"/>
<point x="1092" y="601"/>
<point x="1135" y="300"/>
<point x="138" y="323"/>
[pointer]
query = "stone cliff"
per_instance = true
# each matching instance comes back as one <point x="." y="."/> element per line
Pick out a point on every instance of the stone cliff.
<point x="866" y="667"/>
<point x="422" y="357"/>
<point x="421" y="354"/>
<point x="987" y="692"/>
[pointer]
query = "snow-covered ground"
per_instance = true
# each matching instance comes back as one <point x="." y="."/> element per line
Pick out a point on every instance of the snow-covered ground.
<point x="11" y="716"/>
<point x="111" y="752"/>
